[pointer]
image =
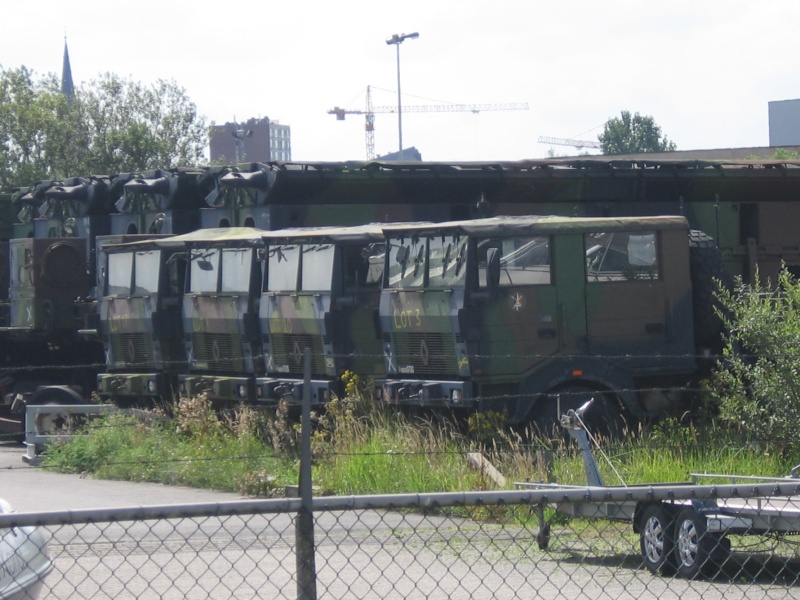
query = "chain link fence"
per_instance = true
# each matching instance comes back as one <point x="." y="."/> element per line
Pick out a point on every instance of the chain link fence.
<point x="682" y="541"/>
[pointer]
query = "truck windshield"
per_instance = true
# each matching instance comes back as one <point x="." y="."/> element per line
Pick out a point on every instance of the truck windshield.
<point x="146" y="271"/>
<point x="236" y="269"/>
<point x="120" y="265"/>
<point x="283" y="263"/>
<point x="203" y="270"/>
<point x="407" y="260"/>
<point x="435" y="261"/>
<point x="446" y="265"/>
<point x="317" y="266"/>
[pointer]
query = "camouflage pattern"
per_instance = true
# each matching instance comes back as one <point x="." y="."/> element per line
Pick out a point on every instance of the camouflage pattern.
<point x="139" y="318"/>
<point x="598" y="302"/>
<point x="747" y="206"/>
<point x="322" y="292"/>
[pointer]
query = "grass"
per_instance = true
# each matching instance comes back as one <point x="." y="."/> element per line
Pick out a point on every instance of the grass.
<point x="361" y="449"/>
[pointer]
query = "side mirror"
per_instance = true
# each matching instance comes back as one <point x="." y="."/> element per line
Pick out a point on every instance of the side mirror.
<point x="492" y="269"/>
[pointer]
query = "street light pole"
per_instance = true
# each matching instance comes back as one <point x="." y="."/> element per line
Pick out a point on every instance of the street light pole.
<point x="396" y="40"/>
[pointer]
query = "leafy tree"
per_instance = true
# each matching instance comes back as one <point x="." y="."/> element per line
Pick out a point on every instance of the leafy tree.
<point x="112" y="125"/>
<point x="36" y="129"/>
<point x="133" y="127"/>
<point x="758" y="381"/>
<point x="633" y="134"/>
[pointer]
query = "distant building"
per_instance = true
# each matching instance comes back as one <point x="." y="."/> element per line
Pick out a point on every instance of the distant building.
<point x="257" y="140"/>
<point x="409" y="155"/>
<point x="784" y="123"/>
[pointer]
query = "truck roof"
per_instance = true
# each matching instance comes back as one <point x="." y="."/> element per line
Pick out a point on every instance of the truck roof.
<point x="516" y="225"/>
<point x="237" y="236"/>
<point x="370" y="232"/>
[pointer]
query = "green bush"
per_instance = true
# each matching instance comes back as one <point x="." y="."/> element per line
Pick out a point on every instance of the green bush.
<point x="757" y="384"/>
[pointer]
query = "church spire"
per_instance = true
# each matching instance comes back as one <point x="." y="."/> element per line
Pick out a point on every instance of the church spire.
<point x="66" y="75"/>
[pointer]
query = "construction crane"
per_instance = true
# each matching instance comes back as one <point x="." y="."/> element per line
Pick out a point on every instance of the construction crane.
<point x="370" y="111"/>
<point x="579" y="144"/>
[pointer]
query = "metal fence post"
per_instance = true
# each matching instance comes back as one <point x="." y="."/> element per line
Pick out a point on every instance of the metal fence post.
<point x="304" y="525"/>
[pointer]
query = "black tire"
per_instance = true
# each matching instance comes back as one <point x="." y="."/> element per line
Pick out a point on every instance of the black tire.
<point x="606" y="417"/>
<point x="656" y="540"/>
<point x="697" y="552"/>
<point x="706" y="268"/>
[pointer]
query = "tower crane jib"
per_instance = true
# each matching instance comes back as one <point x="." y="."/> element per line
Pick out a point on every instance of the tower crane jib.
<point x="370" y="112"/>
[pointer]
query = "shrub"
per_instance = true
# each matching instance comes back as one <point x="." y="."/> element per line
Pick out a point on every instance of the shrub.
<point x="757" y="384"/>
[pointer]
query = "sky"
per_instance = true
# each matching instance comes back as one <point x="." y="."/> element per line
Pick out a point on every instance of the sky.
<point x="705" y="70"/>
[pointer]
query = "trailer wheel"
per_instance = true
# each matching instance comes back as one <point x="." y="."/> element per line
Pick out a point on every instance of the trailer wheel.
<point x="56" y="396"/>
<point x="656" y="540"/>
<point x="698" y="552"/>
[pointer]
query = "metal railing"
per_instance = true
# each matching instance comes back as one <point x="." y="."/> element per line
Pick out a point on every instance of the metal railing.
<point x="471" y="544"/>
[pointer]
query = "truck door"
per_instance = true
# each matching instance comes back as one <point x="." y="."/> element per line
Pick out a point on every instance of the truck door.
<point x="520" y="322"/>
<point x="626" y="305"/>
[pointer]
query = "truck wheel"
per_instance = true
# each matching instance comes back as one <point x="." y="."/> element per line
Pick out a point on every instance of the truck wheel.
<point x="697" y="552"/>
<point x="606" y="417"/>
<point x="656" y="540"/>
<point x="706" y="268"/>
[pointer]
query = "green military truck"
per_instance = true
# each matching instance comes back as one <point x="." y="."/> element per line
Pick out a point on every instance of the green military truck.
<point x="141" y="283"/>
<point x="220" y="313"/>
<point x="321" y="292"/>
<point x="530" y="315"/>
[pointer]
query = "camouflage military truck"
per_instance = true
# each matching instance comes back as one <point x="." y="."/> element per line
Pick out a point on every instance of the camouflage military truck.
<point x="519" y="314"/>
<point x="139" y="318"/>
<point x="321" y="292"/>
<point x="220" y="313"/>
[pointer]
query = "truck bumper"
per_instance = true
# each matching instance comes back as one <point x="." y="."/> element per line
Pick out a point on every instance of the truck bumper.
<point x="228" y="389"/>
<point x="139" y="385"/>
<point x="414" y="392"/>
<point x="272" y="390"/>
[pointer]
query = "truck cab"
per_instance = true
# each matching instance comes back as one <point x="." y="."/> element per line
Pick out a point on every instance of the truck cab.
<point x="501" y="313"/>
<point x="220" y="314"/>
<point x="321" y="292"/>
<point x="139" y="317"/>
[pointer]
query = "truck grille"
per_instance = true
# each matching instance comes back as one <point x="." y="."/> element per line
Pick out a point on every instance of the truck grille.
<point x="429" y="353"/>
<point x="220" y="351"/>
<point x="288" y="349"/>
<point x="131" y="350"/>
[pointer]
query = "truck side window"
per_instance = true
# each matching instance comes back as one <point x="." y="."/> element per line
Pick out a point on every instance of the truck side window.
<point x="621" y="256"/>
<point x="524" y="260"/>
